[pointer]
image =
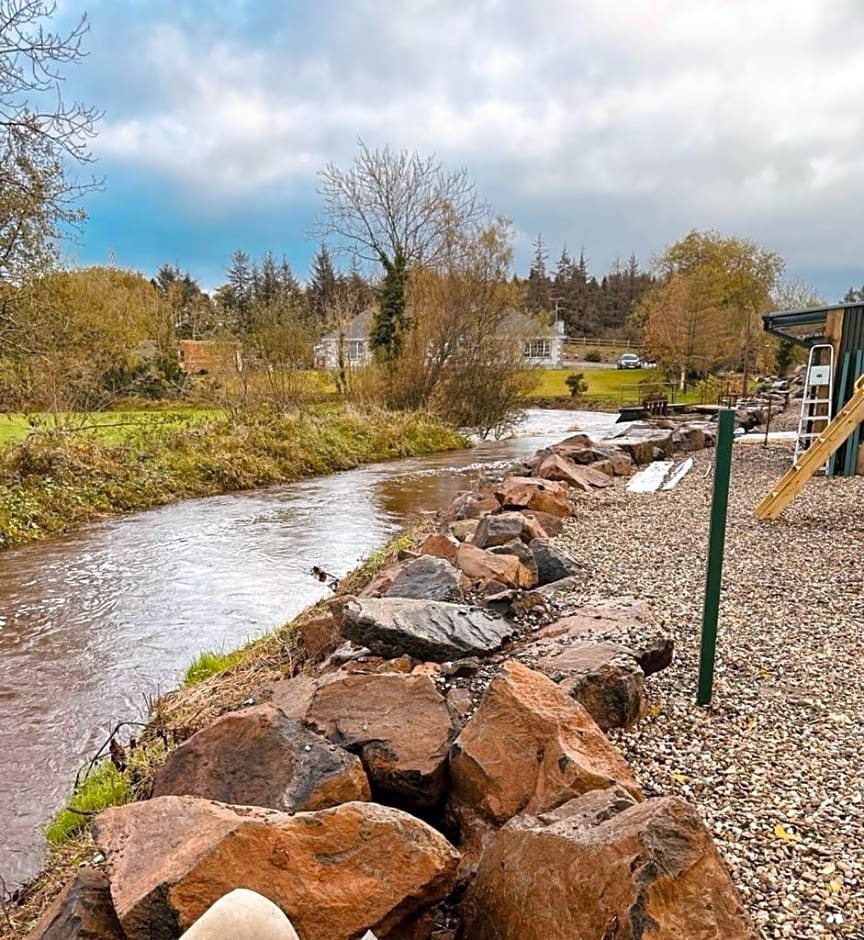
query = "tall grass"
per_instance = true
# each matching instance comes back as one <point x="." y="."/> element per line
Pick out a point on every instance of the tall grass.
<point x="103" y="787"/>
<point x="52" y="483"/>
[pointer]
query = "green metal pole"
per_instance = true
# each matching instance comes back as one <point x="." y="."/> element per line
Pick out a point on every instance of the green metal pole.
<point x="716" y="544"/>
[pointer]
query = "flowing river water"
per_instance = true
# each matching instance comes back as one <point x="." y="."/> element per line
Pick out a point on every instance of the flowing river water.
<point x="92" y="623"/>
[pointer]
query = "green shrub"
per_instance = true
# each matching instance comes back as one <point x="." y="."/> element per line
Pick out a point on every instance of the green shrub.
<point x="593" y="355"/>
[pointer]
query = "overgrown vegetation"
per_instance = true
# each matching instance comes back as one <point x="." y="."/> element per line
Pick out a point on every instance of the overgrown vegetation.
<point x="52" y="482"/>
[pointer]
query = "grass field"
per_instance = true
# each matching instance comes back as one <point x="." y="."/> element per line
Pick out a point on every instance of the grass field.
<point x="110" y="427"/>
<point x="606" y="384"/>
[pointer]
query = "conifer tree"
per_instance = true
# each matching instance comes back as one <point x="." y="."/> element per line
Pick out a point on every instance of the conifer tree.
<point x="322" y="288"/>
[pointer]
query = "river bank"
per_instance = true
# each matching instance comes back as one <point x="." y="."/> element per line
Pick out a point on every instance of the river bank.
<point x="772" y="766"/>
<point x="97" y="622"/>
<point x="285" y="653"/>
<point x="53" y="483"/>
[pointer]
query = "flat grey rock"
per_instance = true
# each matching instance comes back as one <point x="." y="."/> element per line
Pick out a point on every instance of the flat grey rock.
<point x="434" y="631"/>
<point x="427" y="578"/>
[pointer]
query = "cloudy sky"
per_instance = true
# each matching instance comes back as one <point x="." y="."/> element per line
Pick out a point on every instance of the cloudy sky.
<point x="616" y="125"/>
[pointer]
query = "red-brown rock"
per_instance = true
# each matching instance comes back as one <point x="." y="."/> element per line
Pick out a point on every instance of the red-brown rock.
<point x="82" y="911"/>
<point x="335" y="873"/>
<point x="640" y="872"/>
<point x="624" y="621"/>
<point x="441" y="546"/>
<point x="260" y="757"/>
<point x="484" y="567"/>
<point x="528" y="748"/>
<point x="532" y="493"/>
<point x="559" y="467"/>
<point x="552" y="526"/>
<point x="320" y="636"/>
<point x="400" y="727"/>
<point x="469" y="506"/>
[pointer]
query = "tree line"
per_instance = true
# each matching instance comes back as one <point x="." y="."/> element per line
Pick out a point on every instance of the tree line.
<point x="400" y="236"/>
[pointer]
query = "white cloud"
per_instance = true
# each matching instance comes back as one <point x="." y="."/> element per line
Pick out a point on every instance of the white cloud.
<point x="721" y="112"/>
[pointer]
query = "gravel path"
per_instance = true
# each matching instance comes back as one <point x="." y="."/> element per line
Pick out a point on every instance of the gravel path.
<point x="776" y="765"/>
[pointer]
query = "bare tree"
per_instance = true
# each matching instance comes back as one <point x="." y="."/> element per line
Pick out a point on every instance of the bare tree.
<point x="40" y="134"/>
<point x="398" y="210"/>
<point x="390" y="203"/>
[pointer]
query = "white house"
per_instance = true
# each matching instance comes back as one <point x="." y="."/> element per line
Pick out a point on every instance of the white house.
<point x="544" y="342"/>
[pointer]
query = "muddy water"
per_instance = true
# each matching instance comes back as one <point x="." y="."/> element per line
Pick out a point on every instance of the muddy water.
<point x="92" y="623"/>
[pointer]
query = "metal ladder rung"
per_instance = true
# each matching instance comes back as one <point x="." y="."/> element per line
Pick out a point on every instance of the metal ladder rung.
<point x="815" y="401"/>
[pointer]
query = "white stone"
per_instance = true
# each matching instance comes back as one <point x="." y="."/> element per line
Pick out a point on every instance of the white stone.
<point x="242" y="915"/>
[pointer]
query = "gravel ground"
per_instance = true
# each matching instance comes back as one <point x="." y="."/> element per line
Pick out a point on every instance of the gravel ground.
<point x="776" y="765"/>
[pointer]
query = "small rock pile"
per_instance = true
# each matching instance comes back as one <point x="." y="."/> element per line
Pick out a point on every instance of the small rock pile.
<point x="443" y="770"/>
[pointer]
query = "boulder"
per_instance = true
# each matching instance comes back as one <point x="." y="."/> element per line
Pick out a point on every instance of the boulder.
<point x="500" y="528"/>
<point x="399" y="726"/>
<point x="469" y="506"/>
<point x="427" y="630"/>
<point x="558" y="467"/>
<point x="463" y="529"/>
<point x="484" y="567"/>
<point x="552" y="526"/>
<point x="319" y="636"/>
<point x="647" y="870"/>
<point x="335" y="873"/>
<point x="644" y="443"/>
<point x="427" y="578"/>
<point x="82" y="911"/>
<point x="528" y="748"/>
<point x="608" y="682"/>
<point x="520" y="550"/>
<point x="614" y="463"/>
<point x="576" y="443"/>
<point x="687" y="439"/>
<point x="242" y="914"/>
<point x="260" y="757"/>
<point x="291" y="695"/>
<point x="440" y="546"/>
<point x="623" y="621"/>
<point x="553" y="564"/>
<point x="532" y="493"/>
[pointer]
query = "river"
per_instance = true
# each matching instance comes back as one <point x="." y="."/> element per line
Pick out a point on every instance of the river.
<point x="93" y="622"/>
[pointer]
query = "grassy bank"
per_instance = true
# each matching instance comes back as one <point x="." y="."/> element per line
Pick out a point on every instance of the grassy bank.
<point x="54" y="482"/>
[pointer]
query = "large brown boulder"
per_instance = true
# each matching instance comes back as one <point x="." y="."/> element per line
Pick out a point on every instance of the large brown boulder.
<point x="531" y="493"/>
<point x="398" y="724"/>
<point x="483" y="567"/>
<point x="528" y="748"/>
<point x="623" y="621"/>
<point x="558" y="467"/>
<point x="82" y="911"/>
<point x="335" y="873"/>
<point x="260" y="757"/>
<point x="645" y="871"/>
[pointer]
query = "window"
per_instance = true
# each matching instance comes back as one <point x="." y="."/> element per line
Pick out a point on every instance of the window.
<point x="356" y="349"/>
<point x="538" y="349"/>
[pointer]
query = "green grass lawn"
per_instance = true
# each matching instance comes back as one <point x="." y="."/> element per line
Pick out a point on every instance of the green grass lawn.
<point x="612" y="385"/>
<point x="110" y="427"/>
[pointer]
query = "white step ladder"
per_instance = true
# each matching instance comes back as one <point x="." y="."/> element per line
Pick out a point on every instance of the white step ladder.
<point x="817" y="401"/>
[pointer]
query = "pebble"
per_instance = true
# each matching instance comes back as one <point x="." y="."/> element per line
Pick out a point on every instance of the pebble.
<point x="776" y="763"/>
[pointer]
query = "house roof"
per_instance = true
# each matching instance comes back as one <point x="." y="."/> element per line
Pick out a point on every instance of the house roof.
<point x="357" y="328"/>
